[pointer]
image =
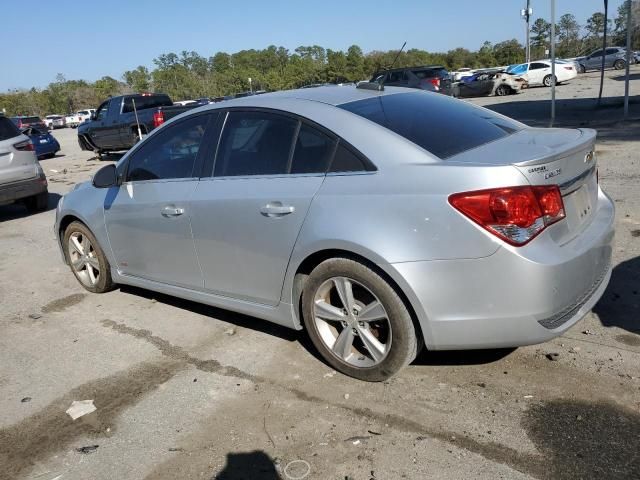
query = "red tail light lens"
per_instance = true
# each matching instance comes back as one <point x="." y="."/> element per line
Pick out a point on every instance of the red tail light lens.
<point x="568" y="68"/>
<point x="435" y="82"/>
<point x="25" y="146"/>
<point x="514" y="214"/>
<point x="158" y="119"/>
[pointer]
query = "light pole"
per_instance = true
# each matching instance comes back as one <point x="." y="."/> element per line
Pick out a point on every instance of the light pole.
<point x="526" y="13"/>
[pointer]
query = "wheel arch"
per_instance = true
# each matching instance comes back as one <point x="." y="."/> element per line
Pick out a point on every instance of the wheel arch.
<point x="304" y="267"/>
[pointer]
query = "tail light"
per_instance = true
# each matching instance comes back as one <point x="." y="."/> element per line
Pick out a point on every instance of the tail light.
<point x="568" y="68"/>
<point x="514" y="214"/>
<point x="158" y="118"/>
<point x="25" y="146"/>
<point x="435" y="82"/>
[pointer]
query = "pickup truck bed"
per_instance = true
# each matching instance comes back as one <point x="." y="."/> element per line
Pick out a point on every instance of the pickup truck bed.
<point x="114" y="126"/>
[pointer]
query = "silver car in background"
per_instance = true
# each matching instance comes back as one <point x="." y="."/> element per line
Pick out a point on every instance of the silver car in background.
<point x="614" y="57"/>
<point x="378" y="221"/>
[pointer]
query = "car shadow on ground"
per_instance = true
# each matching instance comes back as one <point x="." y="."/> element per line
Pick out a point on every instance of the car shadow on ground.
<point x="18" y="210"/>
<point x="109" y="157"/>
<point x="620" y="304"/>
<point x="621" y="78"/>
<point x="425" y="358"/>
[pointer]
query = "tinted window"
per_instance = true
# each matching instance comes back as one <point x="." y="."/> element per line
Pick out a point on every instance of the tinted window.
<point x="397" y="77"/>
<point x="430" y="73"/>
<point x="438" y="124"/>
<point x="102" y="111"/>
<point x="346" y="161"/>
<point x="7" y="129"/>
<point x="596" y="54"/>
<point x="312" y="152"/>
<point x="611" y="51"/>
<point x="255" y="143"/>
<point x="538" y="66"/>
<point x="171" y="153"/>
<point x="143" y="102"/>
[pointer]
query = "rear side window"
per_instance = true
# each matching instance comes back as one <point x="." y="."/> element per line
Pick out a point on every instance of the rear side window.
<point x="430" y="73"/>
<point x="255" y="143"/>
<point x="171" y="153"/>
<point x="7" y="129"/>
<point x="312" y="152"/>
<point x="346" y="160"/>
<point x="143" y="102"/>
<point x="440" y="125"/>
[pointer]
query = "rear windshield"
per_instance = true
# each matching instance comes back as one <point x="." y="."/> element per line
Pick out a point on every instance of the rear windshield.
<point x="7" y="129"/>
<point x="430" y="73"/>
<point x="146" y="102"/>
<point x="440" y="125"/>
<point x="31" y="120"/>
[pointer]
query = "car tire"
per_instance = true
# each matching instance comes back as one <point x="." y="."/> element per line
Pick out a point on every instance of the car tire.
<point x="503" y="90"/>
<point x="582" y="69"/>
<point x="37" y="203"/>
<point x="546" y="81"/>
<point x="86" y="258"/>
<point x="619" y="64"/>
<point x="373" y="349"/>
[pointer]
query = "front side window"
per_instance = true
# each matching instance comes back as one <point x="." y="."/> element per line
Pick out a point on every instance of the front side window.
<point x="102" y="111"/>
<point x="255" y="143"/>
<point x="170" y="153"/>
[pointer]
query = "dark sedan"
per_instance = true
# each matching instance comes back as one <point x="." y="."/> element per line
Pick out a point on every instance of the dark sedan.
<point x="46" y="146"/>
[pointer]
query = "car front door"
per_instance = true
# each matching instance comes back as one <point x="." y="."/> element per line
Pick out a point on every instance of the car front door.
<point x="537" y="72"/>
<point x="246" y="217"/>
<point x="148" y="217"/>
<point x="594" y="61"/>
<point x="96" y="129"/>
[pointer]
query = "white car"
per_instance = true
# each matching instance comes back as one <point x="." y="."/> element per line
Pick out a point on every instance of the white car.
<point x="75" y="119"/>
<point x="539" y="72"/>
<point x="54" y="121"/>
<point x="461" y="72"/>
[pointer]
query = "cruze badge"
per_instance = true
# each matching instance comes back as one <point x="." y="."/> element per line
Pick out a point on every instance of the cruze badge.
<point x="588" y="157"/>
<point x="552" y="173"/>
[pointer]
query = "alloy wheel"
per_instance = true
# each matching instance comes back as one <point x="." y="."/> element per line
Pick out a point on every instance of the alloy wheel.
<point x="83" y="259"/>
<point x="352" y="322"/>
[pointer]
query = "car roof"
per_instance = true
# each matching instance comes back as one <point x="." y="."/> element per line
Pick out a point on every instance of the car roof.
<point x="327" y="94"/>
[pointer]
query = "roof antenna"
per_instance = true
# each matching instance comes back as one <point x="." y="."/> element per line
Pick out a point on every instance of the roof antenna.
<point x="397" y="55"/>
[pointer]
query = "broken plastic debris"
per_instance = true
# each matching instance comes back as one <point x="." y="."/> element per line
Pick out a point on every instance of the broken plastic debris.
<point x="80" y="408"/>
<point x="87" y="449"/>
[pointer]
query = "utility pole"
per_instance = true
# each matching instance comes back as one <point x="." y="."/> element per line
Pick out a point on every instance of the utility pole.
<point x="553" y="62"/>
<point x="526" y="15"/>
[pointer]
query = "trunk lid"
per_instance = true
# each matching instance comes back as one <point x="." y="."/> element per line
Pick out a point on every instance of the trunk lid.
<point x="563" y="157"/>
<point x="16" y="165"/>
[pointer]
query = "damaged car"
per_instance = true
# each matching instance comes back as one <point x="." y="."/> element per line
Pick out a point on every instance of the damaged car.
<point x="482" y="84"/>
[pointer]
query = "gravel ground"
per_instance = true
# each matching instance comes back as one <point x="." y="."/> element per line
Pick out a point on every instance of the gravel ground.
<point x="187" y="391"/>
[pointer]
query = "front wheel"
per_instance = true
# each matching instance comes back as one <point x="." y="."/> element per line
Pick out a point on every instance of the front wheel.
<point x="619" y="64"/>
<point x="86" y="259"/>
<point x="357" y="321"/>
<point x="503" y="90"/>
<point x="581" y="69"/>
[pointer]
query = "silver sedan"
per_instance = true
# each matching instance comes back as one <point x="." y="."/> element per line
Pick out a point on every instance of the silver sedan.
<point x="378" y="220"/>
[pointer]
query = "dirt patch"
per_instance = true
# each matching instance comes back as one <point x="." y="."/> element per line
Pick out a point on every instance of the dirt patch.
<point x="629" y="339"/>
<point x="585" y="440"/>
<point x="51" y="429"/>
<point x="61" y="304"/>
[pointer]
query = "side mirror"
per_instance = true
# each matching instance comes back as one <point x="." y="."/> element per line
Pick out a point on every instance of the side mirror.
<point x="106" y="177"/>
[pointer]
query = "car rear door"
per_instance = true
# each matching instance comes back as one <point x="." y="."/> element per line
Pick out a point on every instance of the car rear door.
<point x="16" y="163"/>
<point x="246" y="216"/>
<point x="148" y="217"/>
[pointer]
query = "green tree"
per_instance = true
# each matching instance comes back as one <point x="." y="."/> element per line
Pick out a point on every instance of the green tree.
<point x="569" y="36"/>
<point x="540" y="37"/>
<point x="508" y="52"/>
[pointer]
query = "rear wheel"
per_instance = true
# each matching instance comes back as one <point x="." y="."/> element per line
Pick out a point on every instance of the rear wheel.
<point x="37" y="203"/>
<point x="357" y="321"/>
<point x="86" y="259"/>
<point x="547" y="81"/>
<point x="581" y="69"/>
<point x="619" y="64"/>
<point x="503" y="90"/>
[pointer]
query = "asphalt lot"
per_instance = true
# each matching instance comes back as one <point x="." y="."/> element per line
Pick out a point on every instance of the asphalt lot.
<point x="188" y="391"/>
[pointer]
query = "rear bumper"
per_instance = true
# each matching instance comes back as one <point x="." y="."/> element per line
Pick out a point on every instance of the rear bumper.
<point x="517" y="296"/>
<point x="11" y="192"/>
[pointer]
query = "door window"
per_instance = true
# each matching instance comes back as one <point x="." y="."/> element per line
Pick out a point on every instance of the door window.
<point x="170" y="153"/>
<point x="255" y="143"/>
<point x="102" y="111"/>
<point x="346" y="161"/>
<point x="538" y="66"/>
<point x="312" y="152"/>
<point x="596" y="54"/>
<point x="397" y="77"/>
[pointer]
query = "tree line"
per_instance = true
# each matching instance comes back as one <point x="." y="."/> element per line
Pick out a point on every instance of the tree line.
<point x="189" y="75"/>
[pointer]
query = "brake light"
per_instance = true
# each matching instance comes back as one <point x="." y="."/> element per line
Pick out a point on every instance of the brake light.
<point x="26" y="146"/>
<point x="158" y="118"/>
<point x="514" y="214"/>
<point x="568" y="68"/>
<point x="435" y="82"/>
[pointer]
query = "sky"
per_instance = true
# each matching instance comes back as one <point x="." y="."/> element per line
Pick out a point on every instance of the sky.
<point x="88" y="40"/>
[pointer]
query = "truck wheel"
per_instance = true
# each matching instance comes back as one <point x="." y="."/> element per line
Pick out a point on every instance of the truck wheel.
<point x="581" y="69"/>
<point x="37" y="203"/>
